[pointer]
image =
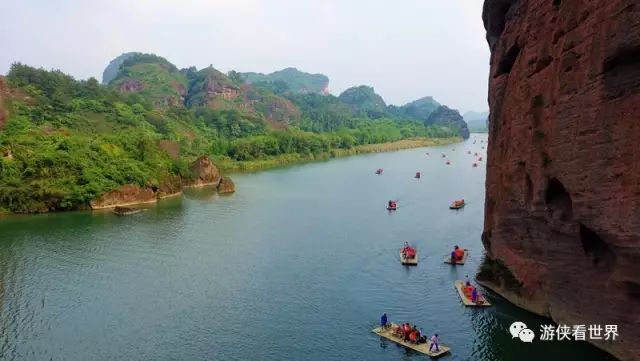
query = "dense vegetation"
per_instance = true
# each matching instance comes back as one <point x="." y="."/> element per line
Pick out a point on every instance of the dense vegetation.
<point x="296" y="81"/>
<point x="66" y="142"/>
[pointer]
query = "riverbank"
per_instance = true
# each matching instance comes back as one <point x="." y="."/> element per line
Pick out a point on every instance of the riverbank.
<point x="231" y="166"/>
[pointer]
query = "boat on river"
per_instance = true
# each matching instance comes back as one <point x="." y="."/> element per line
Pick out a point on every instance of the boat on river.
<point x="447" y="259"/>
<point x="126" y="211"/>
<point x="457" y="204"/>
<point x="422" y="347"/>
<point x="408" y="261"/>
<point x="481" y="302"/>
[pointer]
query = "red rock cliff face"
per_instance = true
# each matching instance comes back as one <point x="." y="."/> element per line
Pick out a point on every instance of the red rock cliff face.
<point x="562" y="225"/>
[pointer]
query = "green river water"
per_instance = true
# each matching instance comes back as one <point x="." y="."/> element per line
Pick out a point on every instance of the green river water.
<point x="297" y="265"/>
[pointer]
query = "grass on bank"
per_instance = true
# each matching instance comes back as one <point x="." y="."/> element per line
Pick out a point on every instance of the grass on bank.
<point x="227" y="164"/>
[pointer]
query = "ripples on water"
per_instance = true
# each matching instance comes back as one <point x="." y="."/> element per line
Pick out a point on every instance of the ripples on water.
<point x="297" y="265"/>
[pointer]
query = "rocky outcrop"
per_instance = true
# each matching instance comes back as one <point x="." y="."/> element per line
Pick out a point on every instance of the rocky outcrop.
<point x="170" y="186"/>
<point x="111" y="71"/>
<point x="443" y="115"/>
<point x="226" y="185"/>
<point x="130" y="86"/>
<point x="125" y="195"/>
<point x="204" y="172"/>
<point x="223" y="89"/>
<point x="562" y="224"/>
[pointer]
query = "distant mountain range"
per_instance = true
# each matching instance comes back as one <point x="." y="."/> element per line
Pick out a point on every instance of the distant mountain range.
<point x="296" y="80"/>
<point x="64" y="143"/>
<point x="282" y="97"/>
<point x="477" y="121"/>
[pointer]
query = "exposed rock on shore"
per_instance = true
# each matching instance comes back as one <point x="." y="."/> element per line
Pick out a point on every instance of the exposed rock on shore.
<point x="205" y="173"/>
<point x="125" y="195"/>
<point x="226" y="186"/>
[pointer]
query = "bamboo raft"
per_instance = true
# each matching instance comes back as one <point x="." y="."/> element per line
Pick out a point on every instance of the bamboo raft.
<point x="409" y="261"/>
<point x="126" y="211"/>
<point x="482" y="301"/>
<point x="447" y="259"/>
<point x="422" y="348"/>
<point x="459" y="206"/>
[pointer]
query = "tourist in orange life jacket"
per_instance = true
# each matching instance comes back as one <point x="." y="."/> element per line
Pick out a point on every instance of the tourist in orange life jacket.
<point x="459" y="253"/>
<point x="413" y="337"/>
<point x="407" y="331"/>
<point x="474" y="295"/>
<point x="468" y="290"/>
<point x="411" y="253"/>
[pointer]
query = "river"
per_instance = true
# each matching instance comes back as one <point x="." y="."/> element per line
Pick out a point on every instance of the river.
<point x="297" y="265"/>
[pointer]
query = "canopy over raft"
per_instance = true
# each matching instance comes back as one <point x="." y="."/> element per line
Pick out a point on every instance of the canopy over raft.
<point x="447" y="259"/>
<point x="422" y="347"/>
<point x="482" y="301"/>
<point x="409" y="261"/>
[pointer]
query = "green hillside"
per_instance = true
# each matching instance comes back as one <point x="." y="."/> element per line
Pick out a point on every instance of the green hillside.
<point x="65" y="142"/>
<point x="111" y="71"/>
<point x="364" y="101"/>
<point x="152" y="77"/>
<point x="417" y="109"/>
<point x="295" y="80"/>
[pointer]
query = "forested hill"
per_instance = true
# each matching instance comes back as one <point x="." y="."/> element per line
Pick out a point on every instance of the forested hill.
<point x="296" y="80"/>
<point x="65" y="142"/>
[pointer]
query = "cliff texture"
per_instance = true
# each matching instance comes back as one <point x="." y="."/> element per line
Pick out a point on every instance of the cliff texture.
<point x="562" y="225"/>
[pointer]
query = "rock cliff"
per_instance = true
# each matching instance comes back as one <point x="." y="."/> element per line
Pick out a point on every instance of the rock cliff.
<point x="562" y="224"/>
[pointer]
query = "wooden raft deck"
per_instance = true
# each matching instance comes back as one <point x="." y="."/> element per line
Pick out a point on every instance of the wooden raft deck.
<point x="422" y="348"/>
<point x="466" y="301"/>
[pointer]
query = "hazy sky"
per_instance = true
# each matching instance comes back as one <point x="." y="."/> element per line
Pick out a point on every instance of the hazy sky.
<point x="405" y="49"/>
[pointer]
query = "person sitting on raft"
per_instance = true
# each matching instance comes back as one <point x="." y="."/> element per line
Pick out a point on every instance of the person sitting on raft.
<point x="407" y="331"/>
<point x="397" y="331"/>
<point x="422" y="338"/>
<point x="474" y="295"/>
<point x="408" y="251"/>
<point x="413" y="337"/>
<point x="392" y="204"/>
<point x="457" y="254"/>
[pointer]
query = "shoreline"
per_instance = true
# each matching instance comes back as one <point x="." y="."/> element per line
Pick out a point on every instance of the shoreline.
<point x="231" y="166"/>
